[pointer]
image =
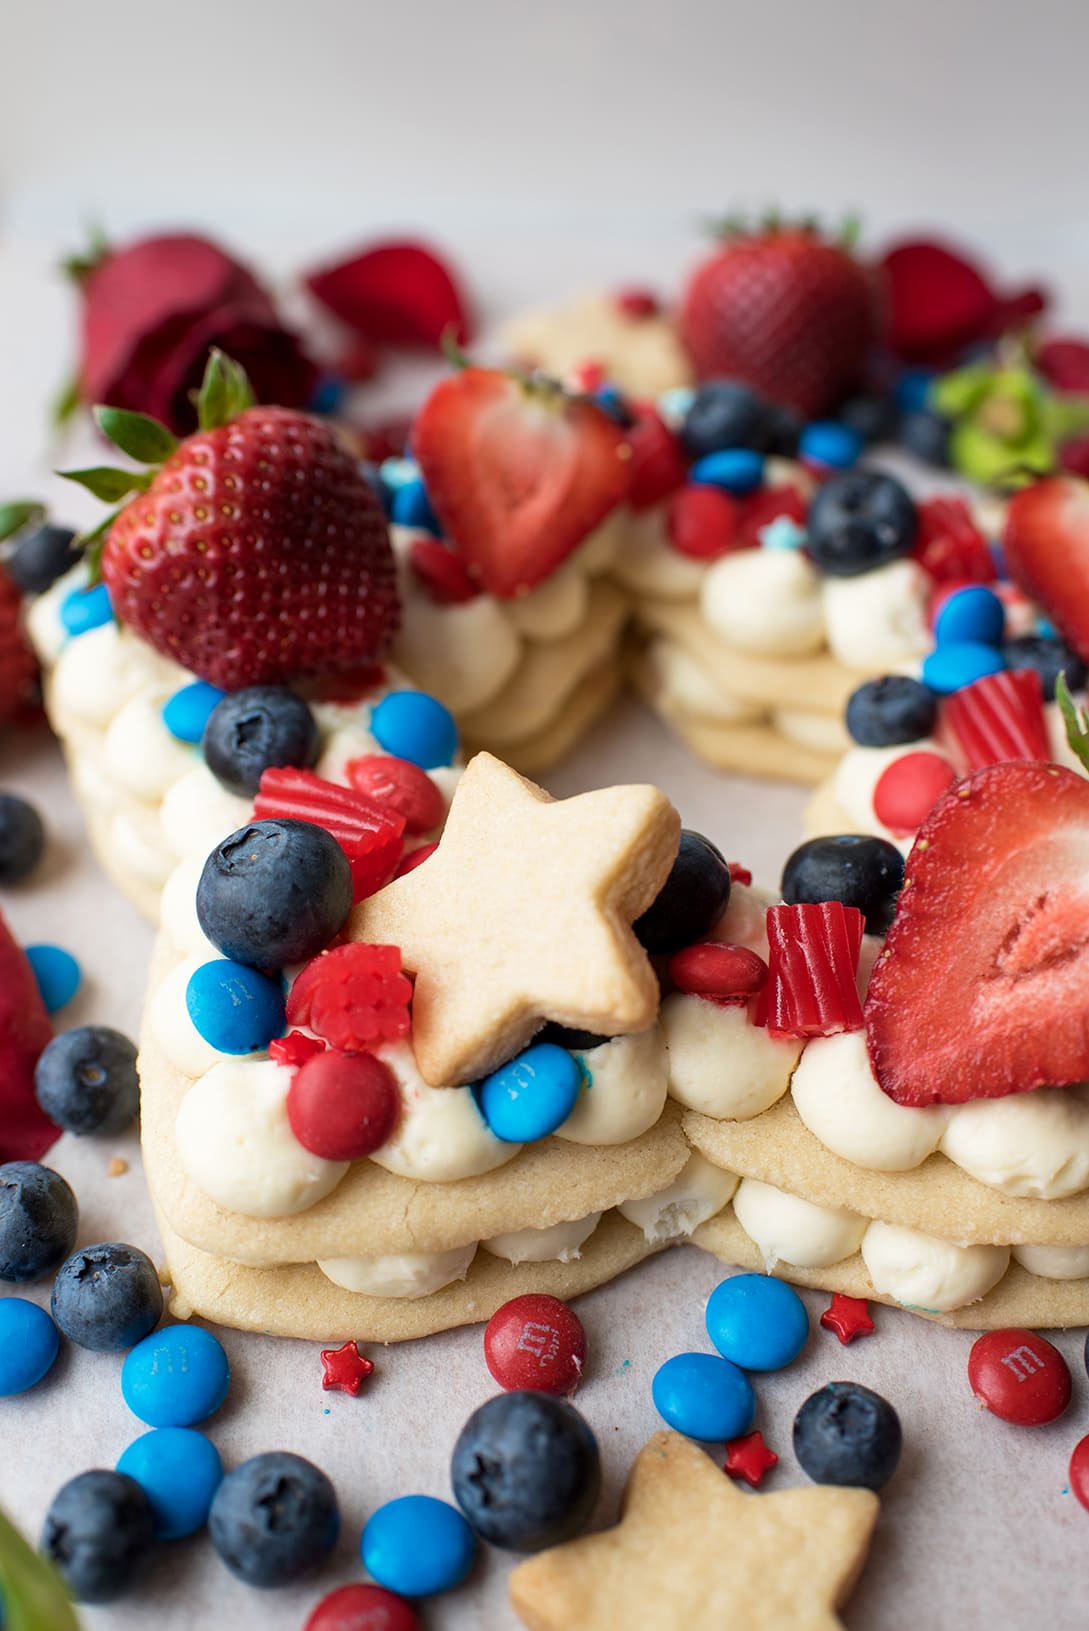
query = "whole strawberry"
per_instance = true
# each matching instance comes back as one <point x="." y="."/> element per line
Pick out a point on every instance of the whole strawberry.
<point x="253" y="552"/>
<point x="785" y="310"/>
<point x="18" y="664"/>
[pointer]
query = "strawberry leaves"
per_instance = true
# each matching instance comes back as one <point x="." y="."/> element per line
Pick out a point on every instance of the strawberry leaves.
<point x="225" y="391"/>
<point x="1075" y="719"/>
<point x="19" y="513"/>
<point x="33" y="1594"/>
<point x="143" y="439"/>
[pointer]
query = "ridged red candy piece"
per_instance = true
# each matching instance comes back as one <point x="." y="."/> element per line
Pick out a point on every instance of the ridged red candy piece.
<point x="354" y="996"/>
<point x="702" y="522"/>
<point x="658" y="465"/>
<point x="295" y="1048"/>
<point x="812" y="965"/>
<point x="908" y="789"/>
<point x="1000" y="716"/>
<point x="369" y="834"/>
<point x="1019" y="1376"/>
<point x="343" y="1106"/>
<point x="443" y="574"/>
<point x="949" y="545"/>
<point x="397" y="784"/>
<point x="713" y="968"/>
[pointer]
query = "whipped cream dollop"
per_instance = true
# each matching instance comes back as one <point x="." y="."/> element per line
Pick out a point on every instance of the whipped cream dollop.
<point x="698" y="1192"/>
<point x="766" y="602"/>
<point x="561" y="1243"/>
<point x="877" y="621"/>
<point x="624" y="1089"/>
<point x="441" y="1135"/>
<point x="719" y="1062"/>
<point x="681" y="683"/>
<point x="788" y="1229"/>
<point x="923" y="1272"/>
<point x="399" y="1274"/>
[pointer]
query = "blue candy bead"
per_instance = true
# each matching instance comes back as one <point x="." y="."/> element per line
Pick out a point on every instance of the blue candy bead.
<point x="176" y="1377"/>
<point x="975" y="614"/>
<point x="953" y="666"/>
<point x="180" y="1471"/>
<point x="828" y="442"/>
<point x="328" y="394"/>
<point x="86" y="609"/>
<point x="704" y="1396"/>
<point x="186" y="713"/>
<point x="412" y="725"/>
<point x="757" y="1322"/>
<point x="737" y="470"/>
<point x="57" y="973"/>
<point x="417" y="1545"/>
<point x="396" y="473"/>
<point x="913" y="390"/>
<point x="235" y="1008"/>
<point x="531" y="1095"/>
<point x="28" y="1345"/>
<point x="673" y="405"/>
<point x="411" y="507"/>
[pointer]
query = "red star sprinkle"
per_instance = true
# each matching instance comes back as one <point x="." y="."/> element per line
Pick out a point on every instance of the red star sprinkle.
<point x="345" y="1369"/>
<point x="749" y="1458"/>
<point x="848" y="1317"/>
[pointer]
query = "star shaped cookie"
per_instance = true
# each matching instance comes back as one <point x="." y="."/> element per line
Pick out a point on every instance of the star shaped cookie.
<point x="692" y="1553"/>
<point x="523" y="914"/>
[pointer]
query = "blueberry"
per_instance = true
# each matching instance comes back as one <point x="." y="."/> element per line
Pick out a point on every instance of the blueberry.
<point x="274" y="1518"/>
<point x="872" y="417"/>
<point x="256" y="729"/>
<point x="86" y="1080"/>
<point x="694" y="897"/>
<point x="38" y="1218"/>
<point x="275" y="892"/>
<point x="107" y="1297"/>
<point x="860" y="520"/>
<point x="784" y="429"/>
<point x="1050" y="657"/>
<point x="526" y="1471"/>
<point x="926" y="435"/>
<point x="41" y="557"/>
<point x="851" y="867"/>
<point x="99" y="1534"/>
<point x="22" y="838"/>
<point x="894" y="709"/>
<point x="847" y="1435"/>
<point x="724" y="413"/>
<point x="564" y="1036"/>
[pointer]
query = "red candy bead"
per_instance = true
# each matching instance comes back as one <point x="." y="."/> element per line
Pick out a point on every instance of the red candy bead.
<point x="1019" y="1376"/>
<point x="714" y="969"/>
<point x="1079" y="1472"/>
<point x="702" y="522"/>
<point x="363" y="1608"/>
<point x="342" y="1106"/>
<point x="399" y="785"/>
<point x="909" y="788"/>
<point x="535" y="1342"/>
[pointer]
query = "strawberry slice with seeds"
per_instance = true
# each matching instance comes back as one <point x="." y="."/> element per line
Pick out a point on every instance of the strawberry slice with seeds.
<point x="812" y="964"/>
<point x="518" y="472"/>
<point x="1000" y="716"/>
<point x="355" y="996"/>
<point x="369" y="834"/>
<point x="1047" y="552"/>
<point x="983" y="986"/>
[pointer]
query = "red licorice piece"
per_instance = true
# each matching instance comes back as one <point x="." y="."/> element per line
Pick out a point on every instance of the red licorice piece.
<point x="949" y="545"/>
<point x="812" y="964"/>
<point x="414" y="858"/>
<point x="536" y="1341"/>
<point x="363" y="1607"/>
<point x="1000" y="716"/>
<point x="369" y="834"/>
<point x="702" y="522"/>
<point x="766" y="505"/>
<point x="908" y="789"/>
<point x="658" y="465"/>
<point x="355" y="996"/>
<point x="343" y="1106"/>
<point x="1019" y="1376"/>
<point x="397" y="784"/>
<point x="443" y="574"/>
<point x="295" y="1048"/>
<point x="712" y="968"/>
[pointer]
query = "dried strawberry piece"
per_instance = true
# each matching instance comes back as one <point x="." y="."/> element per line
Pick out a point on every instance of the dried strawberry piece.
<point x="397" y="784"/>
<point x="812" y="963"/>
<point x="949" y="545"/>
<point x="658" y="465"/>
<point x="355" y="996"/>
<point x="721" y="972"/>
<point x="370" y="835"/>
<point x="295" y="1048"/>
<point x="999" y="717"/>
<point x="443" y="574"/>
<point x="766" y="505"/>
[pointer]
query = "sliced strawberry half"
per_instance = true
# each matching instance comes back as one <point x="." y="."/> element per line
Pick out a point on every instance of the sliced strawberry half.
<point x="518" y="471"/>
<point x="1047" y="552"/>
<point x="983" y="986"/>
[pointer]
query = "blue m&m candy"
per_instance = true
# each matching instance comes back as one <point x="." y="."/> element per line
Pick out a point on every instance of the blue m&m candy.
<point x="175" y="1377"/>
<point x="417" y="1545"/>
<point x="974" y="613"/>
<point x="86" y="609"/>
<point x="531" y="1095"/>
<point x="737" y="470"/>
<point x="57" y="973"/>
<point x="827" y="442"/>
<point x="704" y="1396"/>
<point x="28" y="1345"/>
<point x="180" y="1470"/>
<point x="951" y="667"/>
<point x="412" y="725"/>
<point x="757" y="1322"/>
<point x="411" y="507"/>
<point x="235" y="1008"/>
<point x="186" y="713"/>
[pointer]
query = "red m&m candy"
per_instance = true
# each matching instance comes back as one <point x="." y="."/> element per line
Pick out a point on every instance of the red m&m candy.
<point x="402" y="786"/>
<point x="712" y="968"/>
<point x="342" y="1106"/>
<point x="1079" y="1471"/>
<point x="537" y="1342"/>
<point x="1019" y="1376"/>
<point x="363" y="1608"/>
<point x="908" y="788"/>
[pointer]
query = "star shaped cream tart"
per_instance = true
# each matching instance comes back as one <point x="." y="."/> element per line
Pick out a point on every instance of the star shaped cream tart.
<point x="692" y="1553"/>
<point x="523" y="914"/>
